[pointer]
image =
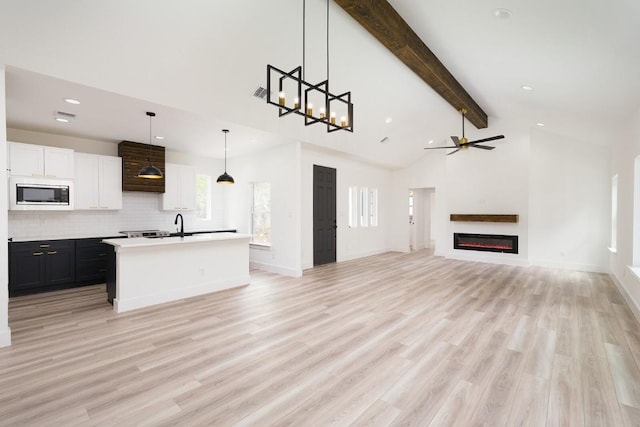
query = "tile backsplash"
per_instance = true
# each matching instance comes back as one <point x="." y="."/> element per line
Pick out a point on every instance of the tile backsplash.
<point x="140" y="211"/>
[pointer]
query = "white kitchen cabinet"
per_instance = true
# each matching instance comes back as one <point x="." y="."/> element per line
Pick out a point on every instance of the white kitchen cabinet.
<point x="98" y="182"/>
<point x="39" y="160"/>
<point x="179" y="188"/>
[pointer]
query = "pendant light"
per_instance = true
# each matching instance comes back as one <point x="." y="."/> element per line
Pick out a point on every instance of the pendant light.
<point x="300" y="103"/>
<point x="150" y="171"/>
<point x="225" y="178"/>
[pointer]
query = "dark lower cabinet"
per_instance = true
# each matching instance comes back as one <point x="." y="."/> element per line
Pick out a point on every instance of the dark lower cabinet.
<point x="91" y="261"/>
<point x="39" y="266"/>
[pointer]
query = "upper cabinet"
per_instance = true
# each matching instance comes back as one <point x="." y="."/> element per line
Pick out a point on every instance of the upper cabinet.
<point x="38" y="160"/>
<point x="98" y="182"/>
<point x="180" y="188"/>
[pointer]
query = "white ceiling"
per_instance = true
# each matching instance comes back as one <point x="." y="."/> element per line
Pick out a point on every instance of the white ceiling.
<point x="197" y="63"/>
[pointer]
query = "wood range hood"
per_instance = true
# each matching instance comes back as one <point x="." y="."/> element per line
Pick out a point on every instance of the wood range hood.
<point x="135" y="156"/>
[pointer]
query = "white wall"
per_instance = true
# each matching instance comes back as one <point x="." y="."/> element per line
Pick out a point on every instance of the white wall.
<point x="559" y="188"/>
<point x="426" y="172"/>
<point x="472" y="181"/>
<point x="281" y="167"/>
<point x="570" y="203"/>
<point x="351" y="242"/>
<point x="626" y="148"/>
<point x="5" y="333"/>
<point x="490" y="182"/>
<point x="140" y="210"/>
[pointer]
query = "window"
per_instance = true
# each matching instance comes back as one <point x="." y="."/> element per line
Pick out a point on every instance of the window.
<point x="203" y="197"/>
<point x="261" y="213"/>
<point x="373" y="207"/>
<point x="614" y="213"/>
<point x="353" y="207"/>
<point x="364" y="207"/>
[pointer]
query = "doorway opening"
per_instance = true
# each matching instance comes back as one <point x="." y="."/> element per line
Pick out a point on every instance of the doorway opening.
<point x="421" y="213"/>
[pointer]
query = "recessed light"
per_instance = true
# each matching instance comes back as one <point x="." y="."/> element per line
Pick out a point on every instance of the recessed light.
<point x="159" y="137"/>
<point x="501" y="13"/>
<point x="540" y="124"/>
<point x="430" y="141"/>
<point x="388" y="120"/>
<point x="72" y="101"/>
<point x="527" y="88"/>
<point x="62" y="120"/>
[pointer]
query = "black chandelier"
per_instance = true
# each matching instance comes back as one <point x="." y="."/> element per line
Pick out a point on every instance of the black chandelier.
<point x="330" y="104"/>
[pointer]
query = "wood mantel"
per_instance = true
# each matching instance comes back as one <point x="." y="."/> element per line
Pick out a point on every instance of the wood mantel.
<point x="484" y="218"/>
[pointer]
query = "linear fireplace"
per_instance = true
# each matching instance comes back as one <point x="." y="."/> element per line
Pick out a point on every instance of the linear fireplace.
<point x="486" y="242"/>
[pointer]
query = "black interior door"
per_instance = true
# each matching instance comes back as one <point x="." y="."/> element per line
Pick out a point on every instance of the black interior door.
<point x="324" y="215"/>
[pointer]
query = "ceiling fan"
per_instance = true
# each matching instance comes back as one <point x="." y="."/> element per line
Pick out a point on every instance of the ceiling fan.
<point x="463" y="143"/>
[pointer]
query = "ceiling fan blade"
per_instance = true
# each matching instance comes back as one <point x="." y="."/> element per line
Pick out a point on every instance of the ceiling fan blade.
<point x="493" y="138"/>
<point x="436" y="148"/>
<point x="484" y="147"/>
<point x="453" y="152"/>
<point x="456" y="140"/>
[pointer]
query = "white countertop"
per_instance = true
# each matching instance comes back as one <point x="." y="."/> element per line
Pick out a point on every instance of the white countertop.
<point x="135" y="242"/>
<point x="85" y="236"/>
<point x="64" y="237"/>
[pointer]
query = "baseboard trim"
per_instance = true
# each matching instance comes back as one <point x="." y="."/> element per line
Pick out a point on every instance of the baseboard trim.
<point x="285" y="271"/>
<point x="563" y="266"/>
<point x="627" y="298"/>
<point x="122" y="305"/>
<point x="506" y="260"/>
<point x="362" y="255"/>
<point x="5" y="337"/>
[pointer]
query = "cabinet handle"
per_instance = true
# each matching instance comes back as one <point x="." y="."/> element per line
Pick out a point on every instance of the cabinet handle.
<point x="102" y="270"/>
<point x="38" y="253"/>
<point x="45" y="246"/>
<point x="52" y="252"/>
<point x="102" y="254"/>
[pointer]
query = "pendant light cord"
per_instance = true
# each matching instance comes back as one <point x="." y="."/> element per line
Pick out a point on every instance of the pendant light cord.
<point x="327" y="41"/>
<point x="225" y="152"/>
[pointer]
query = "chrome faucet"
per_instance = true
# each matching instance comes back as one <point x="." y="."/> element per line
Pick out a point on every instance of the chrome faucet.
<point x="181" y="225"/>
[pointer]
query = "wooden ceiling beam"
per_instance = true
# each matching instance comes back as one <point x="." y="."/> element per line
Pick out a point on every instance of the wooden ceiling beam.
<point x="384" y="23"/>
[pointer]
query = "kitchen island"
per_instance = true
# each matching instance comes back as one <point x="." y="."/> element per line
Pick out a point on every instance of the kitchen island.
<point x="147" y="271"/>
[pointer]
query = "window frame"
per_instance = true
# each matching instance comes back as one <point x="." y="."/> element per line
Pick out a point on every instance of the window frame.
<point x="207" y="196"/>
<point x="254" y="213"/>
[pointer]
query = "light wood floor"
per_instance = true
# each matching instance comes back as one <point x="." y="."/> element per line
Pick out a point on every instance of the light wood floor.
<point x="393" y="339"/>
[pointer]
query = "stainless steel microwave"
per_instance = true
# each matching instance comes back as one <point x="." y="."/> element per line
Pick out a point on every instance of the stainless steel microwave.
<point x="32" y="193"/>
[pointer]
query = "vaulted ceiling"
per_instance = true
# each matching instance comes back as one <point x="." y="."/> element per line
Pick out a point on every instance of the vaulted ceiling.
<point x="199" y="63"/>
